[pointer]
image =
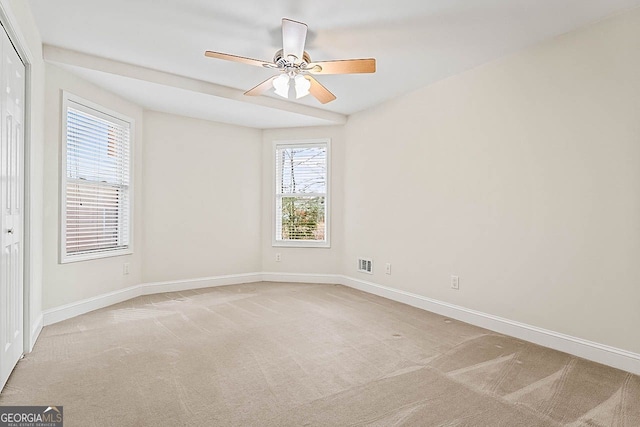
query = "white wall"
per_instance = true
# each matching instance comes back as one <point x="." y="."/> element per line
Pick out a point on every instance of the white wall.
<point x="65" y="283"/>
<point x="304" y="260"/>
<point x="522" y="177"/>
<point x="201" y="198"/>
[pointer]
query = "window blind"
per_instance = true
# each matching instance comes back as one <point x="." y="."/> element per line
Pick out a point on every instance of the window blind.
<point x="301" y="192"/>
<point x="96" y="187"/>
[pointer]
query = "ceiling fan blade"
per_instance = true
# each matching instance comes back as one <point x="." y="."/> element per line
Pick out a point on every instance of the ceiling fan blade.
<point x="344" y="66"/>
<point x="262" y="87"/>
<point x="319" y="92"/>
<point x="294" y="36"/>
<point x="236" y="58"/>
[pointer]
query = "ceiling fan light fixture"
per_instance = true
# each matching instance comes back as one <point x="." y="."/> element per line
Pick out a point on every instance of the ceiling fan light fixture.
<point x="302" y="86"/>
<point x="281" y="85"/>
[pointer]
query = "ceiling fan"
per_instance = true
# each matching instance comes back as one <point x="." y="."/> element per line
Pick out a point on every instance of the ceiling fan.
<point x="295" y="65"/>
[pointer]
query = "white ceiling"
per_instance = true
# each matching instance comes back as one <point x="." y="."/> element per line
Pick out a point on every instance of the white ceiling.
<point x="415" y="42"/>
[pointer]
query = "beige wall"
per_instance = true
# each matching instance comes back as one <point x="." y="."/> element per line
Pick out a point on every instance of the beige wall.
<point x="521" y="176"/>
<point x="201" y="198"/>
<point x="65" y="283"/>
<point x="303" y="260"/>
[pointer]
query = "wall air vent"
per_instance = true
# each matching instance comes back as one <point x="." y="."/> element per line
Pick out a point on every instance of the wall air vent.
<point x="365" y="265"/>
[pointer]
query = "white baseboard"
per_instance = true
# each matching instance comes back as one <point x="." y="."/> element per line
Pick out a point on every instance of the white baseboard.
<point x="35" y="331"/>
<point x="302" y="278"/>
<point x="198" y="283"/>
<point x="593" y="351"/>
<point x="67" y="311"/>
<point x="589" y="350"/>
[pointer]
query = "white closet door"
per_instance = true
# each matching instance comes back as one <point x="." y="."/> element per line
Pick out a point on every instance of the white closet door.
<point x="12" y="89"/>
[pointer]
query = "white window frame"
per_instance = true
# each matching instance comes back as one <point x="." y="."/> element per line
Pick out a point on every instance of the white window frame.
<point x="71" y="100"/>
<point x="326" y="243"/>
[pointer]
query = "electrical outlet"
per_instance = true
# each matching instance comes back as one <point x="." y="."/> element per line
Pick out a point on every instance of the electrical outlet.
<point x="278" y="257"/>
<point x="125" y="268"/>
<point x="387" y="268"/>
<point x="455" y="282"/>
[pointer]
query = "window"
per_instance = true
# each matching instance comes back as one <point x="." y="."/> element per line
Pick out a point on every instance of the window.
<point x="301" y="194"/>
<point x="95" y="181"/>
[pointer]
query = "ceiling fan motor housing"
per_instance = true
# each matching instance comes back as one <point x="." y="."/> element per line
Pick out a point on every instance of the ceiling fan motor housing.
<point x="284" y="63"/>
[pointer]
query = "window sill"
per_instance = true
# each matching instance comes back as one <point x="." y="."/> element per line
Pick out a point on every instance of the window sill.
<point x="98" y="255"/>
<point x="300" y="244"/>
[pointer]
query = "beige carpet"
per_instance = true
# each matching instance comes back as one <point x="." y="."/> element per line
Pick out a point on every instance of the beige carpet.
<point x="273" y="354"/>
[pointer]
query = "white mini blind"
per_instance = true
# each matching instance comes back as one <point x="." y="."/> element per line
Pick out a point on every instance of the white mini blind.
<point x="301" y="192"/>
<point x="96" y="183"/>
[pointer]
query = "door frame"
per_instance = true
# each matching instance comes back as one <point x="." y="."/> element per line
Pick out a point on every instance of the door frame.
<point x="9" y="22"/>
